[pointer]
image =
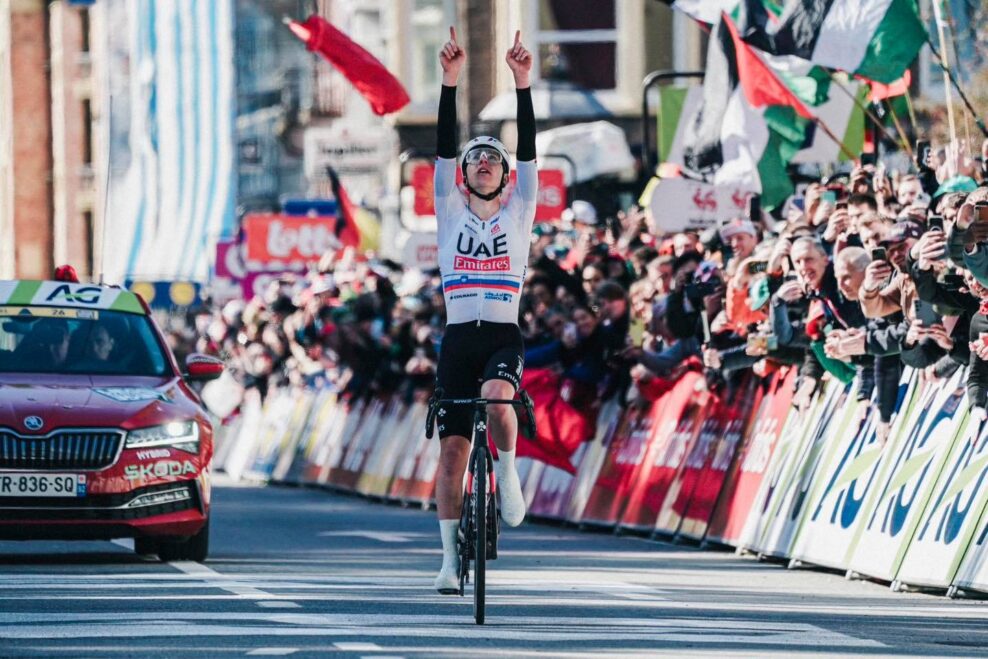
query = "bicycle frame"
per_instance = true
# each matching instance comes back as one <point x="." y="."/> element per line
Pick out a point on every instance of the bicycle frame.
<point x="479" y="525"/>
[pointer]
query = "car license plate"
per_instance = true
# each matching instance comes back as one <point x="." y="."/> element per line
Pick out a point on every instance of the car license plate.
<point x="42" y="485"/>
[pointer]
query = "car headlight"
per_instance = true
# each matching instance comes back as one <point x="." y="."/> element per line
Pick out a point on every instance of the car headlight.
<point x="183" y="435"/>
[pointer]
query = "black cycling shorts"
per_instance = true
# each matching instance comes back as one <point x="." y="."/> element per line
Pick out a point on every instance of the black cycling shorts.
<point x="469" y="356"/>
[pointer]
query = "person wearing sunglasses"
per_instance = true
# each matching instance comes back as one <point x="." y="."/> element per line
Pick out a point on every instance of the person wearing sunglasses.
<point x="484" y="237"/>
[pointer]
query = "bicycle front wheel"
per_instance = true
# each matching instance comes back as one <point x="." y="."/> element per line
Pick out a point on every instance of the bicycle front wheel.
<point x="480" y="528"/>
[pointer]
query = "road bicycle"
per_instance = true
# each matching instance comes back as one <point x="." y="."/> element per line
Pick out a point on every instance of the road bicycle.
<point x="479" y="523"/>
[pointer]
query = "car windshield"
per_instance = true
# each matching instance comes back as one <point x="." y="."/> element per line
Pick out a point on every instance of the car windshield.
<point x="78" y="341"/>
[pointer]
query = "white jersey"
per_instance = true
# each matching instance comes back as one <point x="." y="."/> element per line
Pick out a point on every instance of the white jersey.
<point x="483" y="263"/>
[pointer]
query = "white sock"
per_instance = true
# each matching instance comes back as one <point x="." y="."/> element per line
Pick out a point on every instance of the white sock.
<point x="448" y="530"/>
<point x="505" y="464"/>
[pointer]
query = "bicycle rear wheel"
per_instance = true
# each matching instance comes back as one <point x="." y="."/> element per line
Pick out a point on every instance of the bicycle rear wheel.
<point x="480" y="528"/>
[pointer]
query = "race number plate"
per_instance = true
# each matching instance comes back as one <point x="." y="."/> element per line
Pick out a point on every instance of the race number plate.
<point x="42" y="485"/>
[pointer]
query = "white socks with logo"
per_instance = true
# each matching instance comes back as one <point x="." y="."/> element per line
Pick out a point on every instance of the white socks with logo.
<point x="512" y="499"/>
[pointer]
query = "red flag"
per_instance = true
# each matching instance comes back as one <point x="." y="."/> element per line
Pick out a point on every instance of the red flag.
<point x="760" y="84"/>
<point x="347" y="230"/>
<point x="561" y="428"/>
<point x="375" y="83"/>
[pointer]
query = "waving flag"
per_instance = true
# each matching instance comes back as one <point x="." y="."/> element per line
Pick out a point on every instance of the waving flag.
<point x="374" y="82"/>
<point x="875" y="39"/>
<point x="750" y="123"/>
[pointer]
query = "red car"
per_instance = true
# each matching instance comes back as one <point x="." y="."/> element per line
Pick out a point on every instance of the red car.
<point x="101" y="435"/>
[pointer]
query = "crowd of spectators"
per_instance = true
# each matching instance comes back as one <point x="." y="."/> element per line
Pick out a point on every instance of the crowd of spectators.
<point x="857" y="276"/>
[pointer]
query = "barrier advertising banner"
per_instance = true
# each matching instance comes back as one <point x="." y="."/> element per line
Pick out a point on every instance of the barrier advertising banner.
<point x="781" y="523"/>
<point x="953" y="514"/>
<point x="717" y="446"/>
<point x="778" y="473"/>
<point x="592" y="462"/>
<point x="554" y="485"/>
<point x="851" y="472"/>
<point x="677" y="418"/>
<point x="744" y="479"/>
<point x="917" y="452"/>
<point x="629" y="459"/>
<point x="375" y="479"/>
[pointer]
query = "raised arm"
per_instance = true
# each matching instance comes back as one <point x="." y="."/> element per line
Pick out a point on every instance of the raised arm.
<point x="451" y="58"/>
<point x="520" y="62"/>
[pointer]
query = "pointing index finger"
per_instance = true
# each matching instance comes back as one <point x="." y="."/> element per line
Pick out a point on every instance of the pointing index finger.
<point x="517" y="38"/>
<point x="452" y="34"/>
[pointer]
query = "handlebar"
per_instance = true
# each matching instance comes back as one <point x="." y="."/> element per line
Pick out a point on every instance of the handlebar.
<point x="524" y="401"/>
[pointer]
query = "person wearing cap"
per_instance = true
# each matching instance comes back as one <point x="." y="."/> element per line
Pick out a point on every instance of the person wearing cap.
<point x="742" y="236"/>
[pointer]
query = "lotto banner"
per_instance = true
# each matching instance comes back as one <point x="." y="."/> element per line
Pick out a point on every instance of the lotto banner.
<point x="631" y="453"/>
<point x="714" y="452"/>
<point x="917" y="452"/>
<point x="681" y="414"/>
<point x="744" y="480"/>
<point x="954" y="513"/>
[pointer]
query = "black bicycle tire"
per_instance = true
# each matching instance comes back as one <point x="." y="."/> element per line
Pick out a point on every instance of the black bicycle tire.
<point x="480" y="542"/>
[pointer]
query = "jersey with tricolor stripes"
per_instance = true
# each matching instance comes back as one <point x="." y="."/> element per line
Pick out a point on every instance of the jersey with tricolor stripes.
<point x="483" y="263"/>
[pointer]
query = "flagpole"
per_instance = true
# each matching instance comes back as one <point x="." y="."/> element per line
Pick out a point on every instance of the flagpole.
<point x="945" y="65"/>
<point x="898" y="126"/>
<point x="864" y="108"/>
<point x="847" y="152"/>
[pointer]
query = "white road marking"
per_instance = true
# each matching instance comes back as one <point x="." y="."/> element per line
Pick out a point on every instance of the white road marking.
<point x="358" y="647"/>
<point x="380" y="536"/>
<point x="272" y="652"/>
<point x="216" y="580"/>
<point x="126" y="543"/>
<point x="526" y="628"/>
<point x="277" y="604"/>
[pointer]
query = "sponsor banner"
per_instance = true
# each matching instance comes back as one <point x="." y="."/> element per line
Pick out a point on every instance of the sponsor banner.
<point x="415" y="472"/>
<point x="631" y="451"/>
<point x="917" y="453"/>
<point x="676" y="422"/>
<point x="300" y="428"/>
<point x="744" y="479"/>
<point x="781" y="522"/>
<point x="550" y="202"/>
<point x="68" y="295"/>
<point x="279" y="410"/>
<point x="346" y="474"/>
<point x="679" y="204"/>
<point x="708" y="463"/>
<point x="554" y="484"/>
<point x="278" y="241"/>
<point x="850" y="474"/>
<point x="326" y="410"/>
<point x="375" y="478"/>
<point x="529" y="475"/>
<point x="701" y="424"/>
<point x="591" y="462"/>
<point x="333" y="447"/>
<point x="953" y="514"/>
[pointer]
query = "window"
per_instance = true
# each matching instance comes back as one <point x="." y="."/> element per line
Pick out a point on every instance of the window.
<point x="430" y="21"/>
<point x="576" y="42"/>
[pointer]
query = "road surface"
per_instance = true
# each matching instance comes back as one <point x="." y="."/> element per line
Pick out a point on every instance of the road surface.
<point x="304" y="572"/>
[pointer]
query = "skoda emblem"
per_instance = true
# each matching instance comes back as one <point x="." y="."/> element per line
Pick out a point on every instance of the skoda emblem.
<point x="33" y="423"/>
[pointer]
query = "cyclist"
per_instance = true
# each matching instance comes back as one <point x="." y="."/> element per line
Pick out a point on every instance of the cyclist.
<point x="483" y="254"/>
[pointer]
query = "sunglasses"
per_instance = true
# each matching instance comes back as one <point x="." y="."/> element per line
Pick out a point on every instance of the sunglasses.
<point x="493" y="156"/>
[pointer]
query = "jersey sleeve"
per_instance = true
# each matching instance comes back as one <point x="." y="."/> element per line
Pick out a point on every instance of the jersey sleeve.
<point x="448" y="200"/>
<point x="524" y="198"/>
